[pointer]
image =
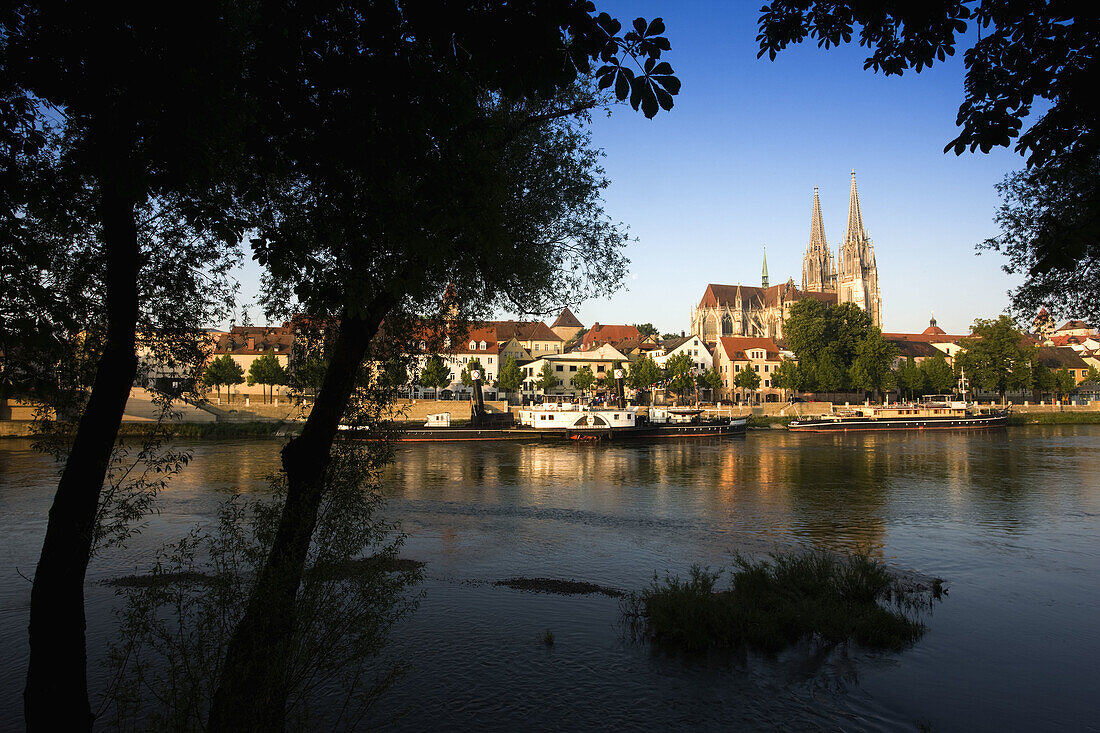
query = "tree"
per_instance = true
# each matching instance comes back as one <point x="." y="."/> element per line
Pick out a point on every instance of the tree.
<point x="547" y="379"/>
<point x="679" y="371"/>
<point x="997" y="358"/>
<point x="939" y="377"/>
<point x="437" y="163"/>
<point x="788" y="375"/>
<point x="746" y="378"/>
<point x="646" y="329"/>
<point x="710" y="379"/>
<point x="584" y="380"/>
<point x="510" y="378"/>
<point x="1043" y="381"/>
<point x="871" y="369"/>
<point x="435" y="374"/>
<point x="1092" y="375"/>
<point x="643" y="374"/>
<point x="266" y="370"/>
<point x="669" y="336"/>
<point x="147" y="125"/>
<point x="467" y="373"/>
<point x="223" y="371"/>
<point x="910" y="378"/>
<point x="1064" y="382"/>
<point x="308" y="373"/>
<point x="1050" y="235"/>
<point x="825" y="339"/>
<point x="1025" y="55"/>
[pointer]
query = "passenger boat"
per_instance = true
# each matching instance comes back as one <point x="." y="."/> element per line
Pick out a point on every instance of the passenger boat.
<point x="931" y="413"/>
<point x="559" y="421"/>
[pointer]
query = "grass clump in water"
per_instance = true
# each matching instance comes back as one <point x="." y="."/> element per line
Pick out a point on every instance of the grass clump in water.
<point x="773" y="603"/>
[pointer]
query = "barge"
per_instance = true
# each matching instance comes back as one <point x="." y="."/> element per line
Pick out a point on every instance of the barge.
<point x="935" y="412"/>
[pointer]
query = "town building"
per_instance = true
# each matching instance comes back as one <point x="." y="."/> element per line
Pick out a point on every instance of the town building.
<point x="693" y="346"/>
<point x="602" y="360"/>
<point x="851" y="277"/>
<point x="601" y="334"/>
<point x="761" y="355"/>
<point x="567" y="326"/>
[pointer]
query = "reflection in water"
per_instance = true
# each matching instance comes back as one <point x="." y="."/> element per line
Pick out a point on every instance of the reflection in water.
<point x="1010" y="518"/>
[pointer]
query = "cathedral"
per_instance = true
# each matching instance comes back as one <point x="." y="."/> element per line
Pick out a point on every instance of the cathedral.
<point x="852" y="277"/>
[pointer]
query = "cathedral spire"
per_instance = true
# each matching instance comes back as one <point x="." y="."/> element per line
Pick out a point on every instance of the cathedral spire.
<point x="764" y="274"/>
<point x="817" y="227"/>
<point x="856" y="232"/>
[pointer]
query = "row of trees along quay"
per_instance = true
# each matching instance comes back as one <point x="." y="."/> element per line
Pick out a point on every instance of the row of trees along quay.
<point x="226" y="372"/>
<point x="372" y="152"/>
<point x="838" y="350"/>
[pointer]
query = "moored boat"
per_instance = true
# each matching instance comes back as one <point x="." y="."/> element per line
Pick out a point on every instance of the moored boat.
<point x="933" y="412"/>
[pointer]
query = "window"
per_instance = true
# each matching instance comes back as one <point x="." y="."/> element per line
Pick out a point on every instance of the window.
<point x="572" y="367"/>
<point x="559" y="368"/>
<point x="561" y="383"/>
<point x="423" y="345"/>
<point x="599" y="367"/>
<point x="767" y="383"/>
<point x="473" y="346"/>
<point x="490" y="360"/>
<point x="536" y="347"/>
<point x="482" y="346"/>
<point x="756" y="367"/>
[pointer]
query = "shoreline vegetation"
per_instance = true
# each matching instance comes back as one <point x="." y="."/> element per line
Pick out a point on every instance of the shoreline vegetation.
<point x="773" y="603"/>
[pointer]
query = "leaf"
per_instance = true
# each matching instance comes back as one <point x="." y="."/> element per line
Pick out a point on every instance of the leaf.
<point x="656" y="27"/>
<point x="622" y="84"/>
<point x="640" y="26"/>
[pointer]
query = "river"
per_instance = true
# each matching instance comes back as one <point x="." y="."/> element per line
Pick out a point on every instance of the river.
<point x="1009" y="518"/>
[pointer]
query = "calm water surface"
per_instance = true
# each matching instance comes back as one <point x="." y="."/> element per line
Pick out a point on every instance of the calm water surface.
<point x="1011" y="519"/>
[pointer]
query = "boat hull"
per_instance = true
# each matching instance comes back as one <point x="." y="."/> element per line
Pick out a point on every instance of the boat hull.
<point x="860" y="424"/>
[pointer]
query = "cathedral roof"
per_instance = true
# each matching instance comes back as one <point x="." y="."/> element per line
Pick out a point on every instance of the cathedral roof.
<point x="718" y="295"/>
<point x="567" y="320"/>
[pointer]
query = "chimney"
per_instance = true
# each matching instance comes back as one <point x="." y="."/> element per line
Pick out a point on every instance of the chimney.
<point x="251" y="343"/>
<point x="682" y="334"/>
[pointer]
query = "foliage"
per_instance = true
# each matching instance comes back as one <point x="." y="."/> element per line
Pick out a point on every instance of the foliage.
<point x="223" y="372"/>
<point x="547" y="379"/>
<point x="308" y="373"/>
<point x="910" y="378"/>
<point x="1050" y="234"/>
<point x="1092" y="375"/>
<point x="1022" y="52"/>
<point x="997" y="358"/>
<point x="1064" y="382"/>
<point x="746" y="378"/>
<point x="608" y="381"/>
<point x="584" y="380"/>
<point x="788" y="375"/>
<point x="828" y="341"/>
<point x="772" y="604"/>
<point x="176" y="622"/>
<point x="939" y="378"/>
<point x="646" y="329"/>
<point x="710" y="379"/>
<point x="510" y="378"/>
<point x="266" y="370"/>
<point x="669" y="336"/>
<point x="435" y="374"/>
<point x="643" y="374"/>
<point x="679" y="371"/>
<point x="466" y="377"/>
<point x="871" y="370"/>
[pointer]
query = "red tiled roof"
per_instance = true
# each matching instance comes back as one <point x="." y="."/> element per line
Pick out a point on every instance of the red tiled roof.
<point x="938" y="337"/>
<point x="1073" y="326"/>
<point x="253" y="340"/>
<point x="607" y="334"/>
<point x="736" y="346"/>
<point x="523" y="331"/>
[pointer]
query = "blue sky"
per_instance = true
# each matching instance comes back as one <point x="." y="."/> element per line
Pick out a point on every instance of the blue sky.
<point x="731" y="169"/>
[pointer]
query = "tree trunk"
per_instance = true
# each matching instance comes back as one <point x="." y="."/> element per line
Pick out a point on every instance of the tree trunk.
<point x="56" y="695"/>
<point x="252" y="690"/>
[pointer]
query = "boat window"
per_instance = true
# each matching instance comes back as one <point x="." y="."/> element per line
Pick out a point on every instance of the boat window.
<point x="616" y="416"/>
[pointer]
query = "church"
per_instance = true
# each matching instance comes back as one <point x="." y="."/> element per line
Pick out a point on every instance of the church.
<point x="850" y="277"/>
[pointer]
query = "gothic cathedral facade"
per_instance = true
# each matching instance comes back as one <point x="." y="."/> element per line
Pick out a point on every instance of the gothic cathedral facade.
<point x="851" y="277"/>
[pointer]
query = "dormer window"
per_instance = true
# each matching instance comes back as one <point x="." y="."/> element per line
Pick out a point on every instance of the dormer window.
<point x="423" y="345"/>
<point x="473" y="346"/>
<point x="483" y="346"/>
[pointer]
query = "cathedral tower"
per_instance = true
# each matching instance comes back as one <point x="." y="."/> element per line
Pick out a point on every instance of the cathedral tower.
<point x="764" y="274"/>
<point x="818" y="269"/>
<point x="857" y="274"/>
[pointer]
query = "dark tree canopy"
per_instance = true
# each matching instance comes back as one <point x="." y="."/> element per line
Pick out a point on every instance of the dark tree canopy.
<point x="1024" y="52"/>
